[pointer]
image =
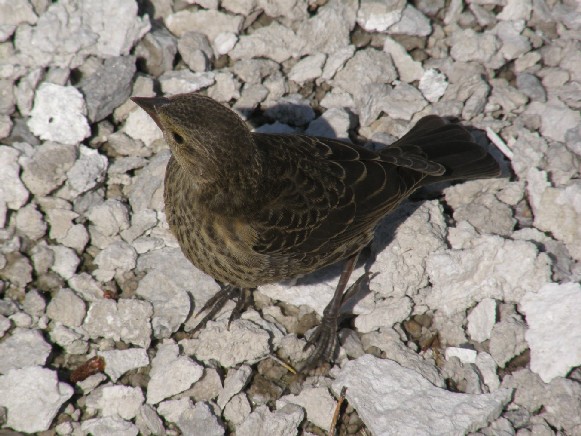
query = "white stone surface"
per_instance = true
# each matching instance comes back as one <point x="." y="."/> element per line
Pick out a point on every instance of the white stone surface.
<point x="123" y="401"/>
<point x="118" y="362"/>
<point x="32" y="397"/>
<point x="233" y="384"/>
<point x="464" y="354"/>
<point x="23" y="348"/>
<point x="378" y="16"/>
<point x="109" y="425"/>
<point x="12" y="192"/>
<point x="243" y="342"/>
<point x="282" y="422"/>
<point x="140" y="126"/>
<point x="407" y="69"/>
<point x="171" y="373"/>
<point x="59" y="114"/>
<point x="391" y="399"/>
<point x="318" y="403"/>
<point x="433" y="85"/>
<point x="308" y="68"/>
<point x="481" y="320"/>
<point x="87" y="171"/>
<point x="191" y="419"/>
<point x="553" y="333"/>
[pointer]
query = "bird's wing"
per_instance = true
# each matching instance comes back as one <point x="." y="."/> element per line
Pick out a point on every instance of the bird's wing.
<point x="325" y="193"/>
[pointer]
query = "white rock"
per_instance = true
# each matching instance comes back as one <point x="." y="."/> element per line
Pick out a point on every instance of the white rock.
<point x="32" y="396"/>
<point x="4" y="325"/>
<point x="118" y="362"/>
<point x="23" y="348"/>
<point x="184" y="81"/>
<point x="211" y="23"/>
<point x="110" y="217"/>
<point x="15" y="12"/>
<point x="171" y="373"/>
<point x="481" y="320"/>
<point x="67" y="308"/>
<point x="488" y="370"/>
<point x="556" y="118"/>
<point x="385" y="313"/>
<point x="109" y="425"/>
<point x="464" y="354"/>
<point x="234" y="383"/>
<point x="59" y="114"/>
<point x="243" y="342"/>
<point x="515" y="10"/>
<point x="71" y="341"/>
<point x="224" y="42"/>
<point x="282" y="422"/>
<point x="65" y="261"/>
<point x="141" y="126"/>
<point x="336" y="60"/>
<point x="553" y="333"/>
<point x="274" y="42"/>
<point x="125" y="320"/>
<point x="123" y="401"/>
<point x="191" y="419"/>
<point x="87" y="171"/>
<point x="318" y="403"/>
<point x="334" y="123"/>
<point x="308" y="68"/>
<point x="467" y="45"/>
<point x="433" y="85"/>
<point x="408" y="69"/>
<point x="492" y="267"/>
<point x="225" y="88"/>
<point x="12" y="191"/>
<point x="47" y="169"/>
<point x="86" y="286"/>
<point x="507" y="339"/>
<point x="30" y="221"/>
<point x="118" y="257"/>
<point x="148" y="421"/>
<point x="395" y="400"/>
<point x="412" y="22"/>
<point x="237" y="409"/>
<point x="62" y="228"/>
<point x="378" y="16"/>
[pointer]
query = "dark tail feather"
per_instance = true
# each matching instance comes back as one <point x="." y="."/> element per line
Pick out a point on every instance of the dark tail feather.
<point x="443" y="150"/>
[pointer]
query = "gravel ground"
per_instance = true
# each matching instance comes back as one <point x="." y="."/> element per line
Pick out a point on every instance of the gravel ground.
<point x="469" y="320"/>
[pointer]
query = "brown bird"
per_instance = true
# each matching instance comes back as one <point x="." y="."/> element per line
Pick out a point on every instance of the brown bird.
<point x="252" y="208"/>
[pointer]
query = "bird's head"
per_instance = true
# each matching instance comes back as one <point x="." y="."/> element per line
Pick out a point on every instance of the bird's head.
<point x="205" y="137"/>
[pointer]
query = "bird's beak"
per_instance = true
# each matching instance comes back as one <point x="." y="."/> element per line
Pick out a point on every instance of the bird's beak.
<point x="150" y="105"/>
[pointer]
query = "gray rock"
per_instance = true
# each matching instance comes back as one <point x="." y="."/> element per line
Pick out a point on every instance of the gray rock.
<point x="282" y="422"/>
<point x="158" y="49"/>
<point x="562" y="403"/>
<point x="514" y="44"/>
<point x="507" y="339"/>
<point x="210" y="22"/>
<point x="556" y="118"/>
<point x="384" y="313"/>
<point x="44" y="397"/>
<point x="254" y="70"/>
<point x="378" y="16"/>
<point x="118" y="362"/>
<point x="184" y="81"/>
<point x="14" y="13"/>
<point x="34" y="303"/>
<point x="407" y="69"/>
<point x="110" y="217"/>
<point x="274" y="42"/>
<point x="367" y="66"/>
<point x="65" y="261"/>
<point x="23" y="348"/>
<point x="412" y="22"/>
<point x="108" y="87"/>
<point x="336" y="60"/>
<point x="318" y="403"/>
<point x="86" y="286"/>
<point x="243" y="342"/>
<point x="62" y="228"/>
<point x="241" y="7"/>
<point x="87" y="171"/>
<point x="467" y="45"/>
<point x="122" y="401"/>
<point x="308" y="68"/>
<point x="292" y="109"/>
<point x="531" y="86"/>
<point x="515" y="10"/>
<point x="117" y="257"/>
<point x="224" y="42"/>
<point x="334" y="123"/>
<point x="29" y="221"/>
<point x="8" y="102"/>
<point x="208" y="387"/>
<point x="554" y="348"/>
<point x="59" y="114"/>
<point x="67" y="308"/>
<point x="433" y="85"/>
<point x="146" y="189"/>
<point x="226" y="87"/>
<point x="47" y="169"/>
<point x="378" y="389"/>
<point x="12" y="191"/>
<point x="191" y="419"/>
<point x="196" y="51"/>
<point x="148" y="421"/>
<point x="109" y="425"/>
<point x="125" y="320"/>
<point x="235" y="381"/>
<point x="170" y="373"/>
<point x="237" y="409"/>
<point x="140" y="127"/>
<point x="401" y="102"/>
<point x="71" y="341"/>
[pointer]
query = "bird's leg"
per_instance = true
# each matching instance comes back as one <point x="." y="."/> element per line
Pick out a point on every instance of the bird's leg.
<point x="217" y="302"/>
<point x="324" y="338"/>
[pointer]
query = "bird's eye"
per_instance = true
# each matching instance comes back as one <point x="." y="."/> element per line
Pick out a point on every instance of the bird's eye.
<point x="178" y="138"/>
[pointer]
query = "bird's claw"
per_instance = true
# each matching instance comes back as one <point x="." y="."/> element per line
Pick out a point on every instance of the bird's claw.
<point x="324" y="339"/>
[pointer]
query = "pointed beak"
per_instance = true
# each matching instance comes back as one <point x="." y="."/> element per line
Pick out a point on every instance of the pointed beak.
<point x="150" y="105"/>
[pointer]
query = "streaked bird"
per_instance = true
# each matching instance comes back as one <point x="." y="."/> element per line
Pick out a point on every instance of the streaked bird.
<point x="252" y="208"/>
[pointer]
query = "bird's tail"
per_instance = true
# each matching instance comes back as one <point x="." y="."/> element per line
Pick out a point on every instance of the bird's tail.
<point x="442" y="150"/>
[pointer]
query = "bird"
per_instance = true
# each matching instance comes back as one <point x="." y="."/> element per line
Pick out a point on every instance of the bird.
<point x="252" y="208"/>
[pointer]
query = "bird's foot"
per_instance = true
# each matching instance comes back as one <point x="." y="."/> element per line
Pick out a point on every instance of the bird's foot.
<point x="219" y="300"/>
<point x="324" y="340"/>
